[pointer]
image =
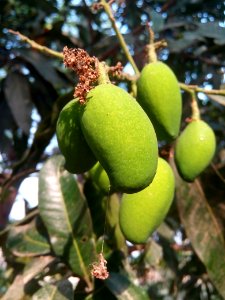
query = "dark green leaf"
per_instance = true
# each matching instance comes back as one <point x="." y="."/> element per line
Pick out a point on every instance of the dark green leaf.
<point x="44" y="67"/>
<point x="62" y="291"/>
<point x="18" y="97"/>
<point x="66" y="216"/>
<point x="28" y="240"/>
<point x="202" y="229"/>
<point x="124" y="289"/>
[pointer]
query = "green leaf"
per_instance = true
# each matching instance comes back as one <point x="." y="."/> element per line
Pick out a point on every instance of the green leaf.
<point x="124" y="289"/>
<point x="18" y="96"/>
<point x="66" y="216"/>
<point x="28" y="240"/>
<point x="62" y="291"/>
<point x="202" y="229"/>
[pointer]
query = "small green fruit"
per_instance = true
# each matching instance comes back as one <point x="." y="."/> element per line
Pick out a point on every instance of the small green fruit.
<point x="141" y="213"/>
<point x="121" y="137"/>
<point x="79" y="157"/>
<point x="194" y="149"/>
<point x="100" y="178"/>
<point x="159" y="94"/>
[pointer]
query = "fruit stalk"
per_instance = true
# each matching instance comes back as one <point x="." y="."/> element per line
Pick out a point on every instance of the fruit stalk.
<point x="123" y="44"/>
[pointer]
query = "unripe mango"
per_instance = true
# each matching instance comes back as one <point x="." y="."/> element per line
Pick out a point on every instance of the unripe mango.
<point x="194" y="149"/>
<point x="121" y="137"/>
<point x="159" y="95"/>
<point x="141" y="213"/>
<point x="100" y="178"/>
<point x="78" y="156"/>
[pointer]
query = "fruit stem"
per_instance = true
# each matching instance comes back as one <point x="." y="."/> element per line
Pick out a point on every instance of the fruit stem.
<point x="194" y="107"/>
<point x="103" y="73"/>
<point x="151" y="56"/>
<point x="120" y="37"/>
<point x="194" y="103"/>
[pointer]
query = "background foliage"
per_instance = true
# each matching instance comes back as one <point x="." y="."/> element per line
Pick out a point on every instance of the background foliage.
<point x="43" y="255"/>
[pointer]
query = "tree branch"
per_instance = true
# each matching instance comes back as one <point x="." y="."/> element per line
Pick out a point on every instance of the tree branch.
<point x="37" y="46"/>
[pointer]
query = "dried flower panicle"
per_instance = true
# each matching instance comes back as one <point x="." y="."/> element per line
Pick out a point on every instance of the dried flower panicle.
<point x="99" y="269"/>
<point x="116" y="70"/>
<point x="85" y="67"/>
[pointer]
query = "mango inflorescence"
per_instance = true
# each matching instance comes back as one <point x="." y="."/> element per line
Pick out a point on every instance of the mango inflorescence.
<point x="121" y="136"/>
<point x="141" y="213"/>
<point x="159" y="94"/>
<point x="194" y="149"/>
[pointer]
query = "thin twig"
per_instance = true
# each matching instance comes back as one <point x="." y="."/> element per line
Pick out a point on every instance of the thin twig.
<point x="123" y="44"/>
<point x="37" y="46"/>
<point x="26" y="218"/>
<point x="197" y="89"/>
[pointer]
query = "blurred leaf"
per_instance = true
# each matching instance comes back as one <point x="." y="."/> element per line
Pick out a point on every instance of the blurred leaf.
<point x="18" y="97"/>
<point x="212" y="30"/>
<point x="44" y="67"/>
<point x="153" y="254"/>
<point x="124" y="289"/>
<point x="28" y="240"/>
<point x="218" y="98"/>
<point x="157" y="20"/>
<point x="62" y="291"/>
<point x="66" y="216"/>
<point x="7" y="123"/>
<point x="202" y="229"/>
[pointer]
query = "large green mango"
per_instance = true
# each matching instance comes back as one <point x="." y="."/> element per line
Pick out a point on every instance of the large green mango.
<point x="194" y="149"/>
<point x="121" y="137"/>
<point x="141" y="213"/>
<point x="78" y="156"/>
<point x="159" y="94"/>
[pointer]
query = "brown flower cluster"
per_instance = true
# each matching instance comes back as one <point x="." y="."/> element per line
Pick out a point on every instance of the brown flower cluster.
<point x="99" y="269"/>
<point x="85" y="67"/>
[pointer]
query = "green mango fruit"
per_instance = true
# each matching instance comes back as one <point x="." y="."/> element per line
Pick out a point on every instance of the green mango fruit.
<point x="159" y="95"/>
<point x="194" y="149"/>
<point x="78" y="156"/>
<point x="100" y="178"/>
<point x="121" y="137"/>
<point x="141" y="213"/>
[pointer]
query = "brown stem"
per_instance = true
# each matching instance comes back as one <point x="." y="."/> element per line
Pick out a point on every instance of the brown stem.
<point x="123" y="44"/>
<point x="37" y="46"/>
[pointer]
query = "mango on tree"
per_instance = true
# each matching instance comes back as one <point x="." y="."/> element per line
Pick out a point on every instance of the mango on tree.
<point x="78" y="156"/>
<point x="194" y="149"/>
<point x="159" y="94"/>
<point x="141" y="213"/>
<point x="121" y="137"/>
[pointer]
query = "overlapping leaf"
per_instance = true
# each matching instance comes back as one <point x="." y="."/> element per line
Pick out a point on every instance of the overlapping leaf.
<point x="202" y="229"/>
<point x="28" y="240"/>
<point x="66" y="216"/>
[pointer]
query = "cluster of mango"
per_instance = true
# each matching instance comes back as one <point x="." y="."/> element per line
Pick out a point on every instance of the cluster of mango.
<point x="115" y="138"/>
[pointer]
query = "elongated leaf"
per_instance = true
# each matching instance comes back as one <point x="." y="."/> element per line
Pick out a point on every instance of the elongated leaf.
<point x="17" y="94"/>
<point x="44" y="66"/>
<point x="66" y="216"/>
<point x="202" y="229"/>
<point x="124" y="289"/>
<point x="28" y="241"/>
<point x="62" y="291"/>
